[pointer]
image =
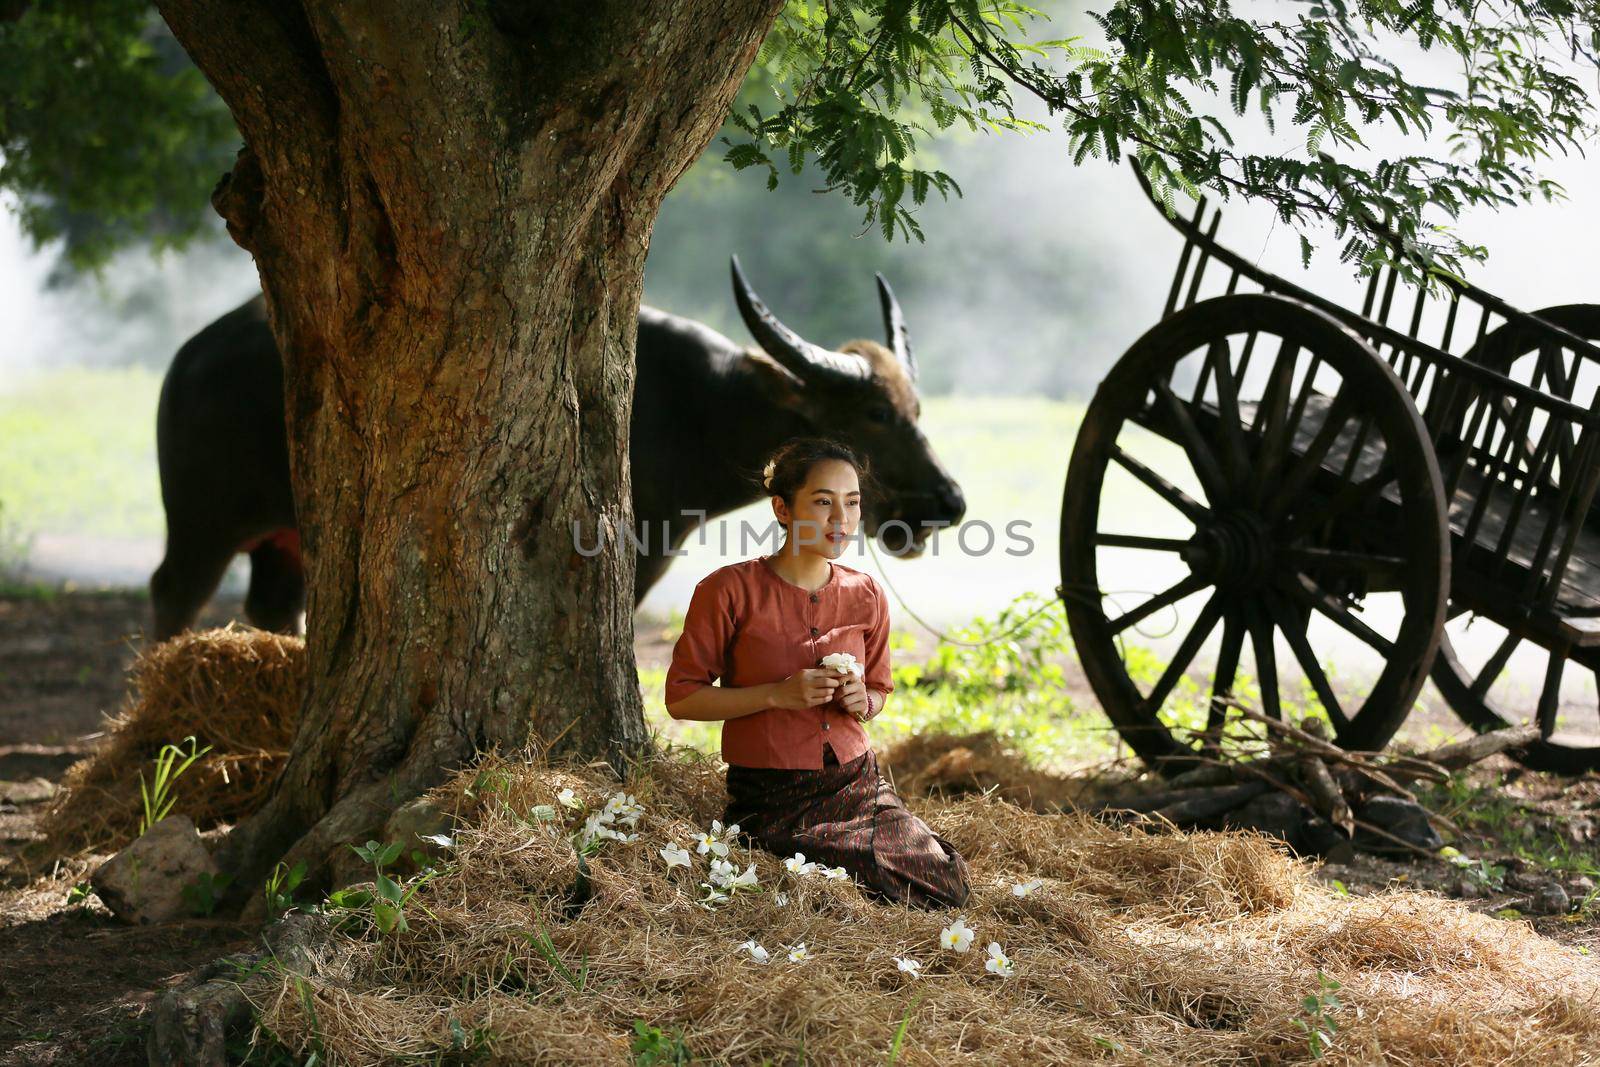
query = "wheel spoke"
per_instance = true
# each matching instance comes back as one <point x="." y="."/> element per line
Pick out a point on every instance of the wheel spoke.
<point x="1199" y="453"/>
<point x="1227" y="670"/>
<point x="1307" y="659"/>
<point x="1185" y="654"/>
<point x="1308" y="592"/>
<point x="1192" y="509"/>
<point x="1333" y="559"/>
<point x="1272" y="418"/>
<point x="1190" y="585"/>
<point x="1149" y="544"/>
<point x="1357" y="494"/>
<point x="1550" y="695"/>
<point x="1234" y="457"/>
<point x="1266" y="661"/>
<point x="1495" y="666"/>
<point x="1310" y="461"/>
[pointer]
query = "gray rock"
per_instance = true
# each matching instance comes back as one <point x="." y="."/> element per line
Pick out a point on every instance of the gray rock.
<point x="1399" y="818"/>
<point x="144" y="882"/>
<point x="421" y="827"/>
<point x="1549" y="899"/>
<point x="1580" y="886"/>
<point x="1464" y="888"/>
<point x="32" y="791"/>
<point x="1275" y="814"/>
<point x="1319" y="837"/>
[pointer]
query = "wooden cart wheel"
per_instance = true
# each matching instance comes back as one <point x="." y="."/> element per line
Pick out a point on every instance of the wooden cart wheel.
<point x="1475" y="685"/>
<point x="1299" y="490"/>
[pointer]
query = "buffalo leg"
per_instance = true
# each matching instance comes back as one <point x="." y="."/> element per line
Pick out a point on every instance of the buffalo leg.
<point x="184" y="582"/>
<point x="277" y="589"/>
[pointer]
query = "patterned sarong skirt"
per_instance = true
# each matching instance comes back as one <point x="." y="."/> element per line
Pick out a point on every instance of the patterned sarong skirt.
<point x="848" y="816"/>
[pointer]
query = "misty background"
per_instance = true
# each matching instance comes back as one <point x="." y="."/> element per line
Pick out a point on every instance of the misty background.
<point x="1026" y="291"/>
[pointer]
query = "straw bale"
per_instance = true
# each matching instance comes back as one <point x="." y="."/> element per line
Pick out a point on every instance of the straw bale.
<point x="1138" y="947"/>
<point x="949" y="765"/>
<point x="236" y="689"/>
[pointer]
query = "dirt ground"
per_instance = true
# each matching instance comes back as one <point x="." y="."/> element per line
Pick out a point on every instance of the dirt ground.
<point x="75" y="984"/>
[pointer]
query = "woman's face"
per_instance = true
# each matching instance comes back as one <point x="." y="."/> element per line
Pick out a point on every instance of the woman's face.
<point x="826" y="511"/>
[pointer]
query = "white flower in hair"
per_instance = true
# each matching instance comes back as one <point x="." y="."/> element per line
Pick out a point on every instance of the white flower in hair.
<point x="843" y="661"/>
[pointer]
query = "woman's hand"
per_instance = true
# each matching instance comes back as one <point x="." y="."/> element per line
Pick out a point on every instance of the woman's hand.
<point x="806" y="688"/>
<point x="852" y="695"/>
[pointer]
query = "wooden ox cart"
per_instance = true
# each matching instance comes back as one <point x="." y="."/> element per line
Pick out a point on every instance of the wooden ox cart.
<point x="1337" y="487"/>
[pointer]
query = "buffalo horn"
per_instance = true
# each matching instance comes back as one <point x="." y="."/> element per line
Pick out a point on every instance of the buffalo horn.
<point x="894" y="325"/>
<point x="787" y="347"/>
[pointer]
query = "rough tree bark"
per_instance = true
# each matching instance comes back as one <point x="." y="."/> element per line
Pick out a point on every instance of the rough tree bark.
<point x="449" y="205"/>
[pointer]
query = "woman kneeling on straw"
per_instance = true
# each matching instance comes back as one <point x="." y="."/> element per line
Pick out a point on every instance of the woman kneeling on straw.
<point x="801" y="645"/>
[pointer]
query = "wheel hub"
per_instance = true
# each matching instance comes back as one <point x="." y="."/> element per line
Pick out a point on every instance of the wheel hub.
<point x="1235" y="551"/>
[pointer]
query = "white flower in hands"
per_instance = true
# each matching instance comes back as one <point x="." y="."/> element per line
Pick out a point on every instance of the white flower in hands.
<point x="757" y="953"/>
<point x="998" y="962"/>
<point x="909" y="966"/>
<point x="797" y="864"/>
<point x="1022" y="889"/>
<point x="569" y="799"/>
<point x="843" y="661"/>
<point x="675" y="856"/>
<point x="799" y="954"/>
<point x="957" y="936"/>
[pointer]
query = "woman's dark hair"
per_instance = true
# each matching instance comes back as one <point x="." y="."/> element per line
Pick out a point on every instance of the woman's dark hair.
<point x="787" y="469"/>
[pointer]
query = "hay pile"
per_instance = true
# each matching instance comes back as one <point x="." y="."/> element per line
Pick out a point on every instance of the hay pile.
<point x="1185" y="949"/>
<point x="947" y="765"/>
<point x="237" y="690"/>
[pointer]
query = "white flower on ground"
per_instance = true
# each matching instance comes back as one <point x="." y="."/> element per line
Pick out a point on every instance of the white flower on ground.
<point x="569" y="799"/>
<point x="797" y="864"/>
<point x="714" y="840"/>
<point x="747" y="880"/>
<point x="757" y="953"/>
<point x="595" y="828"/>
<point x="713" y="897"/>
<point x="675" y="856"/>
<point x="722" y="873"/>
<point x="1022" y="889"/>
<point x="781" y="899"/>
<point x="625" y="808"/>
<point x="842" y="661"/>
<point x="909" y="966"/>
<point x="957" y="936"/>
<point x="798" y="954"/>
<point x="998" y="962"/>
<point x="835" y="872"/>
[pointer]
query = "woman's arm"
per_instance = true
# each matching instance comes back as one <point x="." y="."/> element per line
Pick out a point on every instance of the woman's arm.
<point x="715" y="703"/>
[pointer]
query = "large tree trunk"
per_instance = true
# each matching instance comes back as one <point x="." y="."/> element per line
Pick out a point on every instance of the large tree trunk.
<point x="450" y="205"/>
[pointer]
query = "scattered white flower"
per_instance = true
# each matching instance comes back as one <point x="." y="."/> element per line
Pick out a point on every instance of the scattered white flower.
<point x="713" y="897"/>
<point x="595" y="828"/>
<point x="998" y="962"/>
<point x="781" y="899"/>
<point x="957" y="936"/>
<point x="625" y="808"/>
<point x="675" y="856"/>
<point x="747" y="880"/>
<point x="713" y="840"/>
<point x="569" y="799"/>
<point x="442" y="840"/>
<point x="757" y="953"/>
<point x="798" y="954"/>
<point x="909" y="966"/>
<point x="797" y="864"/>
<point x="842" y="661"/>
<point x="1022" y="889"/>
<point x="835" y="872"/>
<point x="722" y="873"/>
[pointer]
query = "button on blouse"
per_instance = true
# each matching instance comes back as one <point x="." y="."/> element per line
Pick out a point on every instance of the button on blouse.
<point x="746" y="625"/>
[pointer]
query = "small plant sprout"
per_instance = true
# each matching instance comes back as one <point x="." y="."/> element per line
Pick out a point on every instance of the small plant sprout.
<point x="675" y="856"/>
<point x="280" y="886"/>
<point x="156" y="795"/>
<point x="204" y="893"/>
<point x="799" y="953"/>
<point x="957" y="936"/>
<point x="998" y="962"/>
<point x="1316" y="1016"/>
<point x="797" y="864"/>
<point x="756" y="952"/>
<point x="387" y="899"/>
<point x="1022" y="889"/>
<point x="909" y="966"/>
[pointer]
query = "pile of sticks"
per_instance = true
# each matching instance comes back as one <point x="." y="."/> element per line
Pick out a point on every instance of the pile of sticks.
<point x="1326" y="780"/>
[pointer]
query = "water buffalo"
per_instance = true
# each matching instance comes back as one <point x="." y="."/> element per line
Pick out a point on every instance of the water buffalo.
<point x="706" y="413"/>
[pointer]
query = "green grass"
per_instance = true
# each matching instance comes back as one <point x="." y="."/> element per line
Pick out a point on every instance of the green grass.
<point x="80" y="455"/>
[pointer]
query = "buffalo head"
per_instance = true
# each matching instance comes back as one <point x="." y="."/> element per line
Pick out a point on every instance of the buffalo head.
<point x="865" y="395"/>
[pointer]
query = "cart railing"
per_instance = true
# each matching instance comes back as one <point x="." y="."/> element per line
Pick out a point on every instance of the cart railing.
<point x="1520" y="461"/>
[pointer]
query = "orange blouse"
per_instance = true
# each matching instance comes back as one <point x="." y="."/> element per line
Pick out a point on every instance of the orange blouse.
<point x="746" y="625"/>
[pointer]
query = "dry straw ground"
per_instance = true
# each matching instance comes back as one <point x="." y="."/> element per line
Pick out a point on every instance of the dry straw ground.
<point x="1137" y="947"/>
